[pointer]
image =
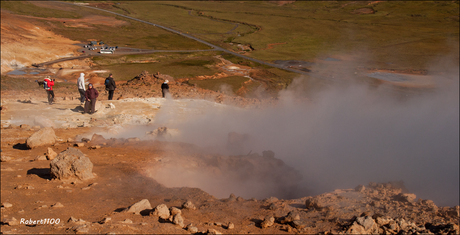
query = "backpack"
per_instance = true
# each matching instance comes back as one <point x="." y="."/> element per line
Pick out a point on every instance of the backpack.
<point x="45" y="85"/>
<point x="107" y="82"/>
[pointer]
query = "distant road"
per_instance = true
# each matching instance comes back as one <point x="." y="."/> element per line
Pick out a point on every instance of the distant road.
<point x="196" y="39"/>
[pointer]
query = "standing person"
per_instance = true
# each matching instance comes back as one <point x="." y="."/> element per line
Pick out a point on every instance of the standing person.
<point x="81" y="87"/>
<point x="48" y="85"/>
<point x="91" y="96"/>
<point x="110" y="86"/>
<point x="165" y="88"/>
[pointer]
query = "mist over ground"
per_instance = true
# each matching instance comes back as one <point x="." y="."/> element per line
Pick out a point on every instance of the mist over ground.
<point x="344" y="136"/>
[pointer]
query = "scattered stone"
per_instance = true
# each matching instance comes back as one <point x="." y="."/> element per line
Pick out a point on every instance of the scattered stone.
<point x="230" y="226"/>
<point x="189" y="205"/>
<point x="40" y="158"/>
<point x="7" y="205"/>
<point x="313" y="203"/>
<point x="268" y="221"/>
<point x="51" y="154"/>
<point x="45" y="136"/>
<point x="5" y="159"/>
<point x="290" y="217"/>
<point x="127" y="221"/>
<point x="80" y="144"/>
<point x="71" y="163"/>
<point x="11" y="222"/>
<point x="161" y="211"/>
<point x="178" y="220"/>
<point x="95" y="147"/>
<point x="175" y="211"/>
<point x="212" y="231"/>
<point x="57" y="205"/>
<point x="82" y="228"/>
<point x="218" y="224"/>
<point x="98" y="139"/>
<point x="192" y="229"/>
<point x="139" y="206"/>
<point x="239" y="199"/>
<point x="272" y="206"/>
<point x="86" y="140"/>
<point x="110" y="106"/>
<point x="105" y="220"/>
<point x="298" y="224"/>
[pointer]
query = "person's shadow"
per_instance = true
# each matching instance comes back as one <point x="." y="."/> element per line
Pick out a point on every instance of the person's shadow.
<point x="78" y="109"/>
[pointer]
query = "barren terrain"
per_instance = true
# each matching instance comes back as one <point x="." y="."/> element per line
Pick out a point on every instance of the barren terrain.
<point x="134" y="145"/>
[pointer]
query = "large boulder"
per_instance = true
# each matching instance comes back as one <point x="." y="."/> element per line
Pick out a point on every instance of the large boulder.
<point x="45" y="136"/>
<point x="70" y="164"/>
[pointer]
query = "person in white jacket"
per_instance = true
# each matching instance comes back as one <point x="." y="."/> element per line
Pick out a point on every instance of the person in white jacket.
<point x="81" y="87"/>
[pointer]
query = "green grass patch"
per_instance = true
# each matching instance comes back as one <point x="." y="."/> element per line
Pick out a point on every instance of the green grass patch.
<point x="232" y="83"/>
<point x="177" y="66"/>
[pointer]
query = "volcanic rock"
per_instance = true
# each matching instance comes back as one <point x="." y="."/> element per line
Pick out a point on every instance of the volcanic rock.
<point x="189" y="205"/>
<point x="140" y="206"/>
<point x="71" y="163"/>
<point x="45" y="136"/>
<point x="268" y="221"/>
<point x="178" y="220"/>
<point x="98" y="139"/>
<point x="161" y="211"/>
<point x="50" y="155"/>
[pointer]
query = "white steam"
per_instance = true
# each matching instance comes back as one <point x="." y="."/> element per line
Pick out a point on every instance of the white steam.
<point x="346" y="136"/>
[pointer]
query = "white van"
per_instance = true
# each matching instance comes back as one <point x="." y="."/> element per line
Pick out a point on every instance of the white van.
<point x="106" y="51"/>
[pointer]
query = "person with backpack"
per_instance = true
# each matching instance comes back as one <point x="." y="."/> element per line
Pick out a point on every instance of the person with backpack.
<point x="110" y="86"/>
<point x="91" y="96"/>
<point x="81" y="87"/>
<point x="48" y="84"/>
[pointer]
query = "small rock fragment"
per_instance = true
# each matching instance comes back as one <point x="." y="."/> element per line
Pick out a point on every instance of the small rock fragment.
<point x="192" y="229"/>
<point x="57" y="205"/>
<point x="268" y="221"/>
<point x="51" y="154"/>
<point x="189" y="205"/>
<point x="7" y="205"/>
<point x="40" y="158"/>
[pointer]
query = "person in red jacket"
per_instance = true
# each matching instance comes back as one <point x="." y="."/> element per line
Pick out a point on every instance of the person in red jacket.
<point x="48" y="85"/>
<point x="91" y="96"/>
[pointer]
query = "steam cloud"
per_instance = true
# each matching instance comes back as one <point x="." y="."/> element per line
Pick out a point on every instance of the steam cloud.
<point x="350" y="135"/>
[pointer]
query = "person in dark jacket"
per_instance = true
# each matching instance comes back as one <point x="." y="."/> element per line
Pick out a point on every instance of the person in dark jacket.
<point x="165" y="88"/>
<point x="91" y="96"/>
<point x="48" y="85"/>
<point x="110" y="86"/>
